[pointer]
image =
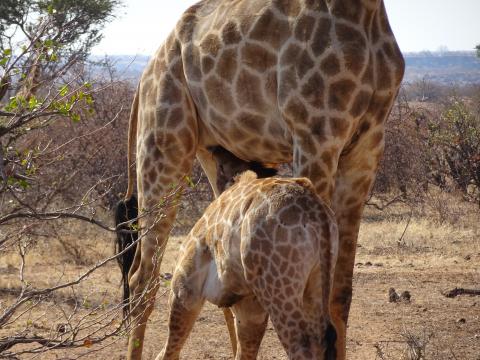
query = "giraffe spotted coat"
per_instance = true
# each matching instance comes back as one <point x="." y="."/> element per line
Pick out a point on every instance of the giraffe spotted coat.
<point x="265" y="247"/>
<point x="304" y="81"/>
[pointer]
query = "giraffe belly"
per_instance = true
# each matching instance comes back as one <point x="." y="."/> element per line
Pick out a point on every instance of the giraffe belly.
<point x="215" y="291"/>
<point x="266" y="139"/>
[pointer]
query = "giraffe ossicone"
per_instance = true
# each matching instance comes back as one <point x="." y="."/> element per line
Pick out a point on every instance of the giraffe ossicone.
<point x="304" y="81"/>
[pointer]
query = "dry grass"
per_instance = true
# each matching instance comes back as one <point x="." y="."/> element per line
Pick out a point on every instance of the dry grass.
<point x="432" y="256"/>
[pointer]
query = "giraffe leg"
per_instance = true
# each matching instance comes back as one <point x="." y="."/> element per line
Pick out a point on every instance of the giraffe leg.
<point x="210" y="167"/>
<point x="356" y="173"/>
<point x="298" y="330"/>
<point x="250" y="324"/>
<point x="166" y="146"/>
<point x="230" y="321"/>
<point x="186" y="302"/>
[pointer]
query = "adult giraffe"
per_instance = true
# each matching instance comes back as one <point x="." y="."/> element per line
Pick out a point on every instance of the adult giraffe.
<point x="272" y="81"/>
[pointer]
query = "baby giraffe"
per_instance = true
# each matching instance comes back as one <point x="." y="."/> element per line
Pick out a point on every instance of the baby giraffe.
<point x="264" y="247"/>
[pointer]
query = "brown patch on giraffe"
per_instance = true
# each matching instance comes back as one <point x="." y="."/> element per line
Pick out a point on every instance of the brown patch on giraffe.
<point x="198" y="96"/>
<point x="368" y="76"/>
<point x="361" y="103"/>
<point x="249" y="91"/>
<point x="379" y="108"/>
<point x="193" y="66"/>
<point x="227" y="65"/>
<point x="350" y="10"/>
<point x="288" y="217"/>
<point x="271" y="86"/>
<point x="145" y="87"/>
<point x="211" y="45"/>
<point x="230" y="34"/>
<point x="304" y="64"/>
<point x="207" y="64"/>
<point x="186" y="26"/>
<point x="252" y="122"/>
<point x="321" y="37"/>
<point x="340" y="93"/>
<point x="238" y="133"/>
<point x="307" y="143"/>
<point x="353" y="45"/>
<point x="146" y="162"/>
<point x="270" y="29"/>
<point x="395" y="57"/>
<point x="266" y="246"/>
<point x="288" y="7"/>
<point x="383" y="21"/>
<point x="376" y="139"/>
<point x="328" y="159"/>
<point x="152" y="175"/>
<point x="175" y="118"/>
<point x="159" y="66"/>
<point x="314" y="90"/>
<point x="316" y="5"/>
<point x="316" y="172"/>
<point x="188" y="141"/>
<point x="318" y="128"/>
<point x="176" y="69"/>
<point x="296" y="110"/>
<point x="375" y="32"/>
<point x="388" y="51"/>
<point x="258" y="57"/>
<point x="151" y="95"/>
<point x="290" y="55"/>
<point x="150" y="141"/>
<point x="304" y="28"/>
<point x="384" y="78"/>
<point x="287" y="83"/>
<point x="219" y="95"/>
<point x="172" y="48"/>
<point x="330" y="65"/>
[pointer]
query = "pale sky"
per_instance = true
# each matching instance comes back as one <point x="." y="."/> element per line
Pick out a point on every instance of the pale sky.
<point x="142" y="25"/>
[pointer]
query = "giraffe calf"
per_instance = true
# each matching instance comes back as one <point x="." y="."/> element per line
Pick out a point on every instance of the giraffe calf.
<point x="265" y="247"/>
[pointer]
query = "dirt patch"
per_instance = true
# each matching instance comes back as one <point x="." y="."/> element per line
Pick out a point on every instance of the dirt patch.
<point x="428" y="262"/>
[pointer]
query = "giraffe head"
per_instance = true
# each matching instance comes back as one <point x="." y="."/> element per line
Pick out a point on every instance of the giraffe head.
<point x="229" y="166"/>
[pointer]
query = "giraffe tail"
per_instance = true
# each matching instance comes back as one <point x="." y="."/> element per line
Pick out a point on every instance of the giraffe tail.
<point x="132" y="137"/>
<point x="126" y="214"/>
<point x="320" y="282"/>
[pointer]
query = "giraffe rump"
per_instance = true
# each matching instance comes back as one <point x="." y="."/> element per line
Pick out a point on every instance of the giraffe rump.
<point x="126" y="213"/>
<point x="265" y="248"/>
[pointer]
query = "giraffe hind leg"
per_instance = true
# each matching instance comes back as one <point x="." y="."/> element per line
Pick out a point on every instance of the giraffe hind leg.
<point x="250" y="325"/>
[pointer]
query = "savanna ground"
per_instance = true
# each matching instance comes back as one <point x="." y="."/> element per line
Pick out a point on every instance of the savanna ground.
<point x="425" y="258"/>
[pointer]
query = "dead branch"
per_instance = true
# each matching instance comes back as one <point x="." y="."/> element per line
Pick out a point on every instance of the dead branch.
<point x="460" y="291"/>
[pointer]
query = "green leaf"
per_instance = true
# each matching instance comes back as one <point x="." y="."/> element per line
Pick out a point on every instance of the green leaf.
<point x="75" y="117"/>
<point x="32" y="103"/>
<point x="23" y="183"/>
<point x="12" y="104"/>
<point x="7" y="52"/>
<point x="63" y="90"/>
<point x="189" y="182"/>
